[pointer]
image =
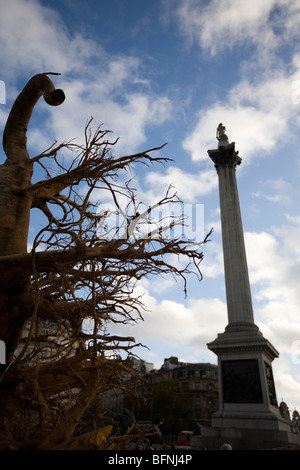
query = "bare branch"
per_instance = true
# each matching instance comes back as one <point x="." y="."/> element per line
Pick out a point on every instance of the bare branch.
<point x="80" y="270"/>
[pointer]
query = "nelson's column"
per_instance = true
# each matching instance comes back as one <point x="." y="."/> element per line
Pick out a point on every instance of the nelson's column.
<point x="248" y="417"/>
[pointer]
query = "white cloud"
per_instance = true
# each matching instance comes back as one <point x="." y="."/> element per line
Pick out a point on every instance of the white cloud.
<point x="34" y="38"/>
<point x="260" y="108"/>
<point x="187" y="326"/>
<point x="274" y="272"/>
<point x="128" y="121"/>
<point x="213" y="263"/>
<point x="276" y="190"/>
<point x="263" y="256"/>
<point x="189" y="186"/>
<point x="256" y="115"/>
<point x="109" y="88"/>
<point x="274" y="266"/>
<point x="215" y="27"/>
<point x="287" y="383"/>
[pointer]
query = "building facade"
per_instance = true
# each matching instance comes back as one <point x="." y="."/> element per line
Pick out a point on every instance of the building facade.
<point x="198" y="384"/>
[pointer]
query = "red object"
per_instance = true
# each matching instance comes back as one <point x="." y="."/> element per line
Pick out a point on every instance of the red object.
<point x="184" y="438"/>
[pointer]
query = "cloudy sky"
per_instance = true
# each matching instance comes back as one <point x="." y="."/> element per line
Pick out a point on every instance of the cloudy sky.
<point x="171" y="71"/>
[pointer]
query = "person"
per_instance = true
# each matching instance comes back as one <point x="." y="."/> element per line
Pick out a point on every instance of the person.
<point x="139" y="445"/>
<point x="226" y="447"/>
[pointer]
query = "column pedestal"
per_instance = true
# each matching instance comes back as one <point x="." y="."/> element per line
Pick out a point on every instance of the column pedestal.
<point x="248" y="417"/>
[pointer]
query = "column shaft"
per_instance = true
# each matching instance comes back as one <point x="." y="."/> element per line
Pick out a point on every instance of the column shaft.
<point x="238" y="293"/>
<point x="239" y="302"/>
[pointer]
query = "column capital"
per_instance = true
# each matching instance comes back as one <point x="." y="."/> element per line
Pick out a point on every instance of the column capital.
<point x="225" y="156"/>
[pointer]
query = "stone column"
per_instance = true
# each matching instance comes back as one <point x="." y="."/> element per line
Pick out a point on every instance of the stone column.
<point x="239" y="302"/>
<point x="248" y="413"/>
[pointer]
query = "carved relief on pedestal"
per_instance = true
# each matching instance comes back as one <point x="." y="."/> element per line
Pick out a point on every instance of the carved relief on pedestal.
<point x="241" y="381"/>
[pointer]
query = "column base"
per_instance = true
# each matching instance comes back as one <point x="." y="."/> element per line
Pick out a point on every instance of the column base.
<point x="256" y="433"/>
<point x="249" y="416"/>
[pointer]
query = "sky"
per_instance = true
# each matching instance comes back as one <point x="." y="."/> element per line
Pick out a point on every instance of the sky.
<point x="169" y="71"/>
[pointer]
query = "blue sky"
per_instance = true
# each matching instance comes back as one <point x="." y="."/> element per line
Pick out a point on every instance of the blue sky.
<point x="171" y="71"/>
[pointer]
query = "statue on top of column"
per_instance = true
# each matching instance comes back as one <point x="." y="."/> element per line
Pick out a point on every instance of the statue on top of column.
<point x="221" y="136"/>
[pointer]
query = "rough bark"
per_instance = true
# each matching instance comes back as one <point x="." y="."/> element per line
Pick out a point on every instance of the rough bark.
<point x="16" y="203"/>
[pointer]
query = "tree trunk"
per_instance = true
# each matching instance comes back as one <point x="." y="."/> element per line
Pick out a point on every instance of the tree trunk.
<point x="15" y="204"/>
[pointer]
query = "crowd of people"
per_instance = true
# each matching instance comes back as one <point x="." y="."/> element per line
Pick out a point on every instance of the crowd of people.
<point x="141" y="445"/>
